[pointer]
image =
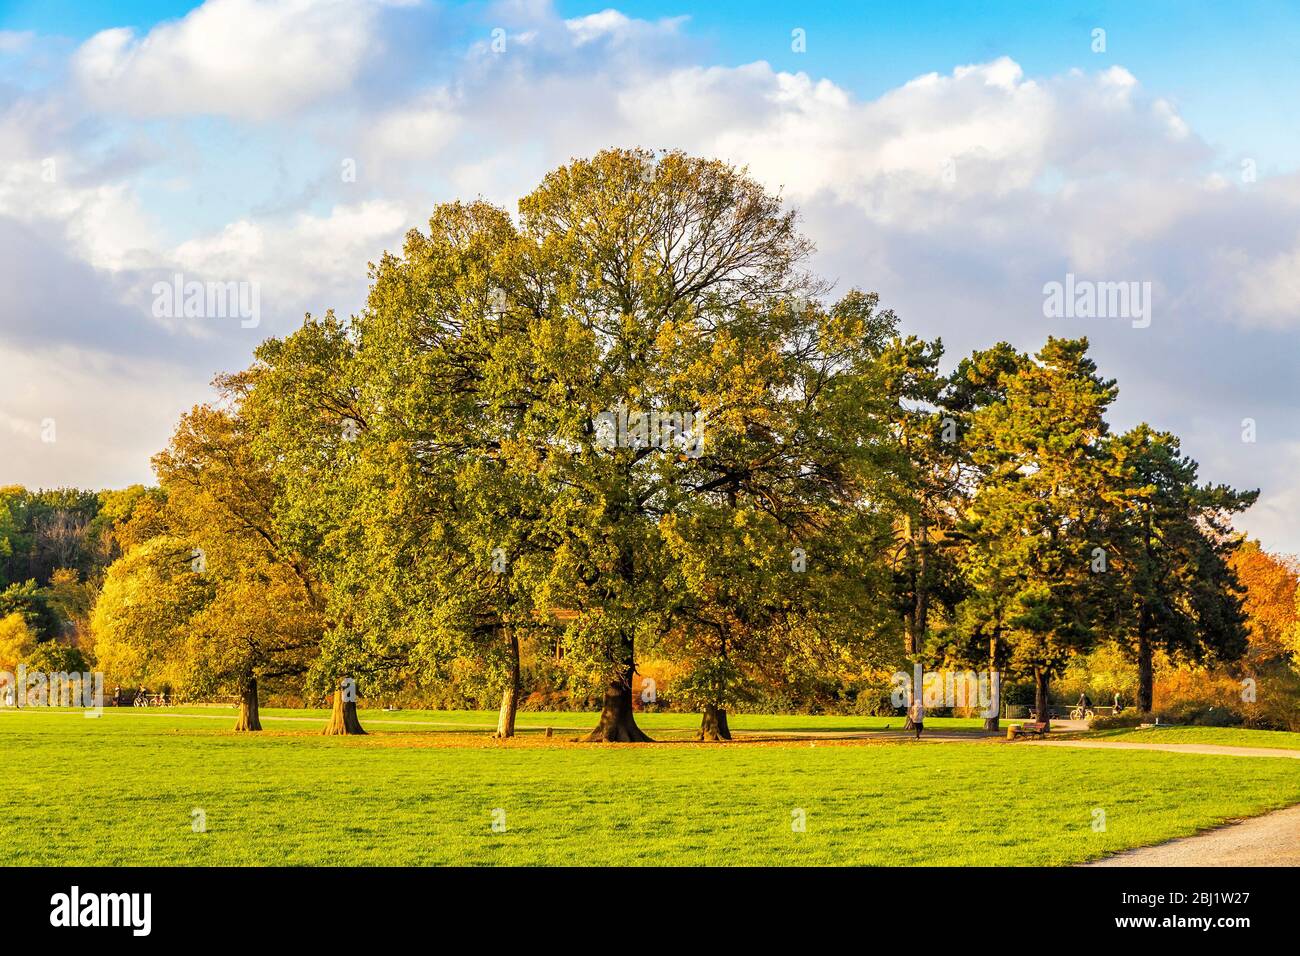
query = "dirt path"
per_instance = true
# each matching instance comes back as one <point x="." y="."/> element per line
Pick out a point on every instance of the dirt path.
<point x="1270" y="840"/>
<point x="1218" y="749"/>
<point x="946" y="735"/>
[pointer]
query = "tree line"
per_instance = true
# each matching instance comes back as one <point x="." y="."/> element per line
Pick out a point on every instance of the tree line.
<point x="630" y="421"/>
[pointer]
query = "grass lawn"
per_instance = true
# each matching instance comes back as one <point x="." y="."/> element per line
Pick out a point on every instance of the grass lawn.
<point x="668" y="726"/>
<point x="1223" y="736"/>
<point x="121" y="790"/>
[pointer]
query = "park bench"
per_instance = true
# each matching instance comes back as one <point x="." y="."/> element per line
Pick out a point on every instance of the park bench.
<point x="1026" y="730"/>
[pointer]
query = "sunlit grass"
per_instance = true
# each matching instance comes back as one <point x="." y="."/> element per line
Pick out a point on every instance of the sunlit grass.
<point x="122" y="789"/>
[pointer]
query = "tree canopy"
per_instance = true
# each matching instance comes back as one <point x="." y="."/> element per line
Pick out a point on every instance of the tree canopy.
<point x="629" y="423"/>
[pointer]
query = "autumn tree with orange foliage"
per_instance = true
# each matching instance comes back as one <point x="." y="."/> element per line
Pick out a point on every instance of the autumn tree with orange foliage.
<point x="1271" y="582"/>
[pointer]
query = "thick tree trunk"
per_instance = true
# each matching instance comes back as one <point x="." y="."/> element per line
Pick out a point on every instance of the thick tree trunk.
<point x="1041" y="701"/>
<point x="248" y="717"/>
<point x="510" y="694"/>
<point x="617" y="722"/>
<point x="713" y="724"/>
<point x="1146" y="692"/>
<point x="343" y="719"/>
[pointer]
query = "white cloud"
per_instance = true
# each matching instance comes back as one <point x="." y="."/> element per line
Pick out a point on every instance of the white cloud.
<point x="303" y="261"/>
<point x="254" y="59"/>
<point x="956" y="195"/>
<point x="419" y="129"/>
<point x="14" y="41"/>
<point x="109" y="417"/>
<point x="618" y="28"/>
<point x="1269" y="291"/>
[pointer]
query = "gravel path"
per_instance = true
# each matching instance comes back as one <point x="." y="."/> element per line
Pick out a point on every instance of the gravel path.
<point x="1218" y="749"/>
<point x="1270" y="840"/>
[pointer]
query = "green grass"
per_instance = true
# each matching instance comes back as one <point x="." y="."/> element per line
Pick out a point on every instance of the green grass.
<point x="569" y="723"/>
<point x="120" y="790"/>
<point x="1222" y="736"/>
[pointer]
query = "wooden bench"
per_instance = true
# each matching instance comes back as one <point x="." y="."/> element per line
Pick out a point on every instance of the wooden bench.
<point x="1026" y="730"/>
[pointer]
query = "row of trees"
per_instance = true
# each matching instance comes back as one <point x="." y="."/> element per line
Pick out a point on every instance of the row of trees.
<point x="63" y="530"/>
<point x="55" y="547"/>
<point x="794" y="488"/>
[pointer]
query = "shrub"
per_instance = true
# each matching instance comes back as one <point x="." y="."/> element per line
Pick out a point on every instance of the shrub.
<point x="55" y="658"/>
<point x="1112" y="722"/>
<point x="1200" y="715"/>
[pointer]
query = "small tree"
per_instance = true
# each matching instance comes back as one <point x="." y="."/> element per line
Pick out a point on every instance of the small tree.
<point x="16" y="641"/>
<point x="223" y="602"/>
<point x="33" y="603"/>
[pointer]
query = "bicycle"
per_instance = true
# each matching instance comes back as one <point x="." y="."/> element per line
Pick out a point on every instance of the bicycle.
<point x="1081" y="713"/>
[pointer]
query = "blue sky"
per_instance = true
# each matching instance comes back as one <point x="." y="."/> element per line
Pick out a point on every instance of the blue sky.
<point x="1228" y="66"/>
<point x="954" y="157"/>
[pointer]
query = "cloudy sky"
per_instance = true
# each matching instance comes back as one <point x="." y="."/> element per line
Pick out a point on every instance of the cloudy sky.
<point x="954" y="157"/>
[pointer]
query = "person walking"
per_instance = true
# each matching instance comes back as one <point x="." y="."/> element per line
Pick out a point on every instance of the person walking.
<point x="917" y="713"/>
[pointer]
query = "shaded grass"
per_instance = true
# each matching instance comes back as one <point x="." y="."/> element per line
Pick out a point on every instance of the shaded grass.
<point x="668" y="725"/>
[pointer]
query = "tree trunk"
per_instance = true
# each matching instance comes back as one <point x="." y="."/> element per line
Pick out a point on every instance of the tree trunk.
<point x="713" y="725"/>
<point x="248" y="718"/>
<point x="343" y="719"/>
<point x="510" y="695"/>
<point x="1041" y="701"/>
<point x="995" y="701"/>
<point x="995" y="685"/>
<point x="1146" y="693"/>
<point x="1145" y="675"/>
<point x="916" y="618"/>
<point x="913" y="688"/>
<point x="617" y="722"/>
